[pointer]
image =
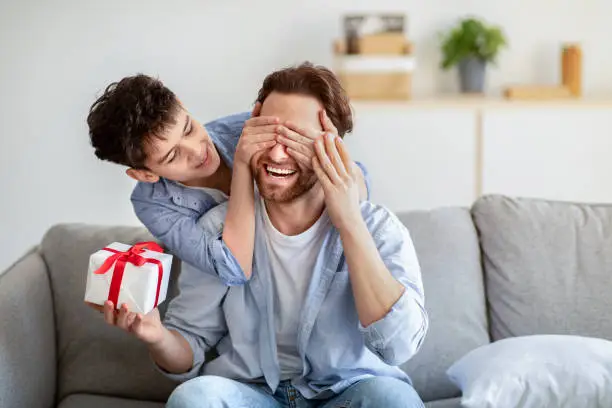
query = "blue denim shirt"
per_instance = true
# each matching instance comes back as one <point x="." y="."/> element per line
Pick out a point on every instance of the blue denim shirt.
<point x="336" y="350"/>
<point x="170" y="210"/>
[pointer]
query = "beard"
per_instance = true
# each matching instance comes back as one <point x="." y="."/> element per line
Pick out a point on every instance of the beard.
<point x="306" y="180"/>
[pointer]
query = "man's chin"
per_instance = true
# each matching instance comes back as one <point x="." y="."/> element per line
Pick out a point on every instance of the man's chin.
<point x="276" y="194"/>
<point x="284" y="194"/>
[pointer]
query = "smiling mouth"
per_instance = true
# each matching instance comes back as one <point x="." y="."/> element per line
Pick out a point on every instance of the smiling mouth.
<point x="279" y="172"/>
<point x="202" y="161"/>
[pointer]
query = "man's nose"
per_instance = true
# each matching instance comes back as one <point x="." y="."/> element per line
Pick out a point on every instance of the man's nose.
<point x="279" y="153"/>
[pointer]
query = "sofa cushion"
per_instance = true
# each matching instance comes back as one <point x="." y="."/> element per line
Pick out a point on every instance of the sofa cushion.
<point x="447" y="247"/>
<point x="94" y="357"/>
<point x="548" y="266"/>
<point x="537" y="371"/>
<point x="98" y="401"/>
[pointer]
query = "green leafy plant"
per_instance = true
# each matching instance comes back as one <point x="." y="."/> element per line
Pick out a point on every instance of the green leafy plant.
<point x="471" y="38"/>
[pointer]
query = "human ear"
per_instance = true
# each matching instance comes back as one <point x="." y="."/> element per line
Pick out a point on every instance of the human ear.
<point x="146" y="176"/>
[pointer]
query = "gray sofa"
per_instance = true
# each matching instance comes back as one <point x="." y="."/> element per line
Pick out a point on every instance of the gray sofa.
<point x="504" y="267"/>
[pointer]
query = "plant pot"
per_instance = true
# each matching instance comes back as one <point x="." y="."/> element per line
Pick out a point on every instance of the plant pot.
<point x="472" y="75"/>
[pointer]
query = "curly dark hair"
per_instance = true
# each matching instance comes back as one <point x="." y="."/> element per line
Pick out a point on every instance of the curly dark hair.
<point x="316" y="81"/>
<point x="127" y="115"/>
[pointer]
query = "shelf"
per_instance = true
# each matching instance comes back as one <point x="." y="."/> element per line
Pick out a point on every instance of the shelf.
<point x="483" y="102"/>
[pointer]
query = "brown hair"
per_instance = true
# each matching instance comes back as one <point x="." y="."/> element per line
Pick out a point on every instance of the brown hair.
<point x="127" y="115"/>
<point x="316" y="81"/>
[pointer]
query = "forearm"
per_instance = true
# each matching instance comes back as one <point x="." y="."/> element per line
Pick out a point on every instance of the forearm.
<point x="172" y="353"/>
<point x="374" y="288"/>
<point x="239" y="228"/>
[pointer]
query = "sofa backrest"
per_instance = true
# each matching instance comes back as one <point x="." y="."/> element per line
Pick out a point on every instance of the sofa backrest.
<point x="548" y="266"/>
<point x="96" y="358"/>
<point x="447" y="247"/>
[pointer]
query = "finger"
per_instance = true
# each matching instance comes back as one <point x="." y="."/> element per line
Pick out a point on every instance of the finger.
<point x="129" y="320"/>
<point x="308" y="132"/>
<point x="334" y="156"/>
<point x="137" y="325"/>
<point x="327" y="123"/>
<point x="293" y="135"/>
<point x="109" y="313"/>
<point x="261" y="120"/>
<point x="252" y="149"/>
<point x="325" y="163"/>
<point x="121" y="319"/>
<point x="261" y="137"/>
<point x="303" y="149"/>
<point x="344" y="155"/>
<point x="321" y="175"/>
<point x="256" y="109"/>
<point x="262" y="145"/>
<point x="300" y="158"/>
<point x="261" y="129"/>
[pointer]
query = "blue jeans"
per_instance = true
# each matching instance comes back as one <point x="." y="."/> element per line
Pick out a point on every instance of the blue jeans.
<point x="219" y="392"/>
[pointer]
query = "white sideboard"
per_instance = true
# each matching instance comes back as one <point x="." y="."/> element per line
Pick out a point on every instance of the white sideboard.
<point x="445" y="152"/>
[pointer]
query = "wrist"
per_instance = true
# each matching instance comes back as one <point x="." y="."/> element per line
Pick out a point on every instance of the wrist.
<point x="241" y="170"/>
<point x="242" y="165"/>
<point x="162" y="342"/>
<point x="351" y="225"/>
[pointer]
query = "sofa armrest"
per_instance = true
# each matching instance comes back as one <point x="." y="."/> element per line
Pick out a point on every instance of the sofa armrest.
<point x="27" y="336"/>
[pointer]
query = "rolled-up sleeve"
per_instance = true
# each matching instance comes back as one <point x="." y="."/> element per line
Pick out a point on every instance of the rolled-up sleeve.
<point x="196" y="314"/>
<point x="222" y="259"/>
<point x="366" y="178"/>
<point x="398" y="336"/>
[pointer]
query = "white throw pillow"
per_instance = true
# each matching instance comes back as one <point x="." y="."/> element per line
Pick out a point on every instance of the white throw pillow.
<point x="543" y="371"/>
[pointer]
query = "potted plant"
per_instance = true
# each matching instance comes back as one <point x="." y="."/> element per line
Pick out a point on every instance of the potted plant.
<point x="471" y="45"/>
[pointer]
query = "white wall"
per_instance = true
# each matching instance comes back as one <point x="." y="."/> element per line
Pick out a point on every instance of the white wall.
<point x="56" y="56"/>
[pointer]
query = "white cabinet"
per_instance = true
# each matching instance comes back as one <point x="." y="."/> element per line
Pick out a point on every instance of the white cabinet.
<point x="418" y="158"/>
<point x="423" y="155"/>
<point x="559" y="153"/>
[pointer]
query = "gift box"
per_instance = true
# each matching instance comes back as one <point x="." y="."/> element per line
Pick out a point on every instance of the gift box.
<point x="136" y="275"/>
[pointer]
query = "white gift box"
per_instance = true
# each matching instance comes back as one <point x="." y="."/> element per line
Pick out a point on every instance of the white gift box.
<point x="139" y="284"/>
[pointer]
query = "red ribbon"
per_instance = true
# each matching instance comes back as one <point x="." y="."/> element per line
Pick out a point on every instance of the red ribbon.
<point x="132" y="256"/>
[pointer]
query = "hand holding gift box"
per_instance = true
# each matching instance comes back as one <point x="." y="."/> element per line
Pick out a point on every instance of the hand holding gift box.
<point x="135" y="275"/>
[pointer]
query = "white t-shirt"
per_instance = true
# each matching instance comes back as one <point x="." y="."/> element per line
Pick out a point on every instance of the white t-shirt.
<point x="292" y="259"/>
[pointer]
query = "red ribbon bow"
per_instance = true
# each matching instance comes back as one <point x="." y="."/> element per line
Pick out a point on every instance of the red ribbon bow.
<point x="132" y="256"/>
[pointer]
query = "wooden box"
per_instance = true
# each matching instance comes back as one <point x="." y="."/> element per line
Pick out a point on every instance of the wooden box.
<point x="376" y="76"/>
<point x="537" y="92"/>
<point x="388" y="86"/>
<point x="378" y="44"/>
